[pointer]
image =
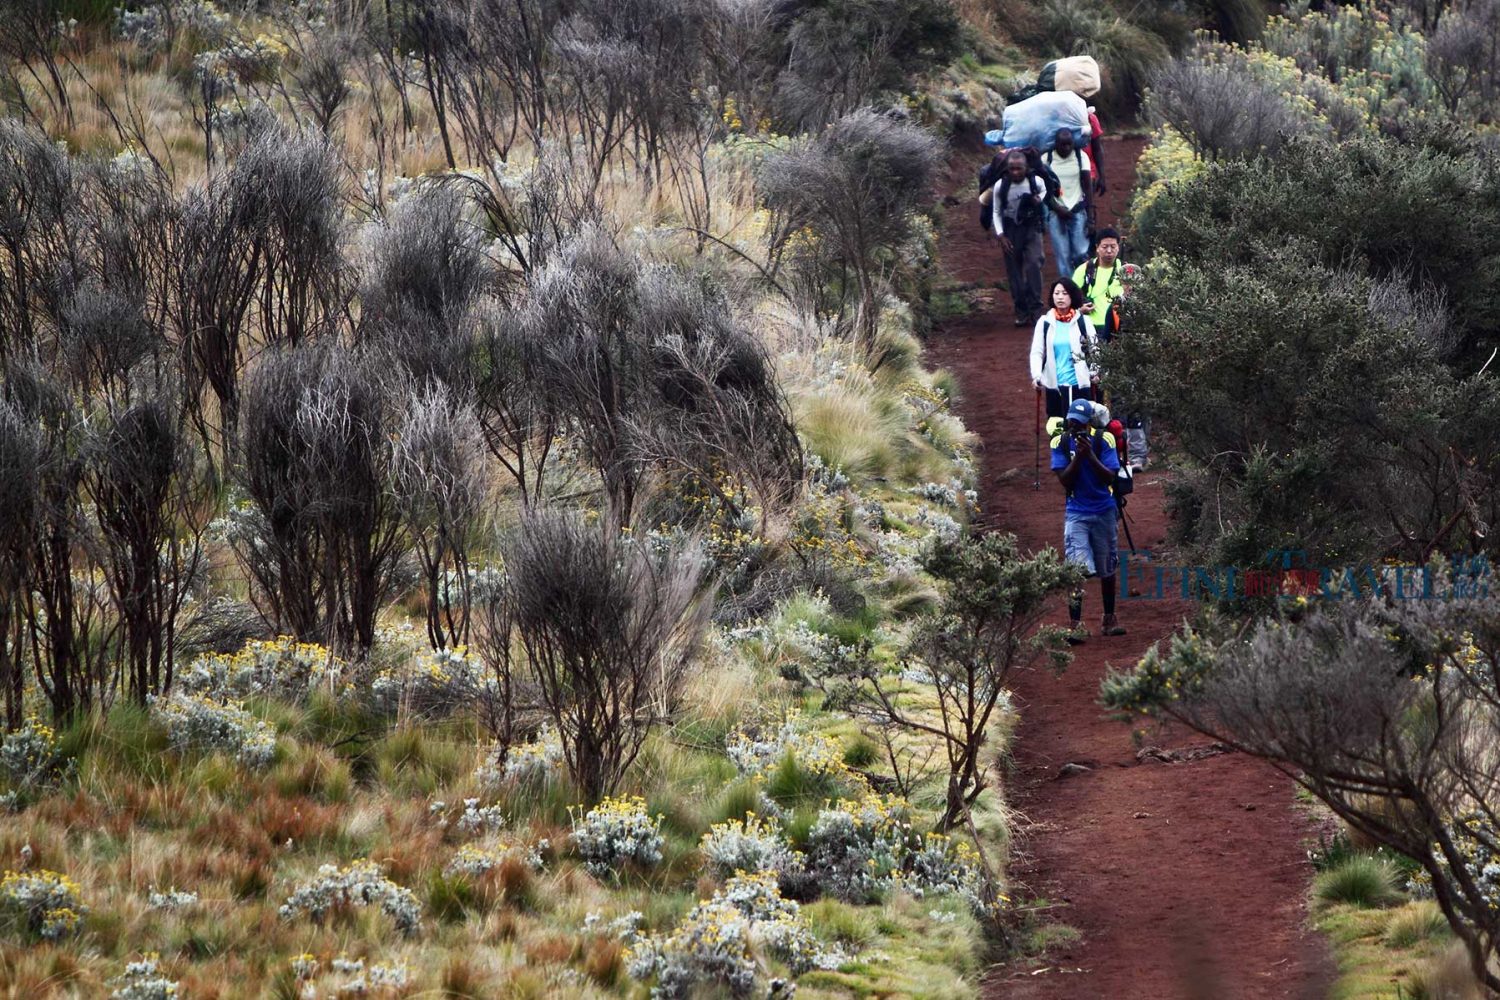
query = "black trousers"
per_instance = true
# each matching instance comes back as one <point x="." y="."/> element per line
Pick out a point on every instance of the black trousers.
<point x="1023" y="271"/>
<point x="1059" y="399"/>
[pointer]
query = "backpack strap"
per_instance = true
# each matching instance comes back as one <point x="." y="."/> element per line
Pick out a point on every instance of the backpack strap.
<point x="1091" y="271"/>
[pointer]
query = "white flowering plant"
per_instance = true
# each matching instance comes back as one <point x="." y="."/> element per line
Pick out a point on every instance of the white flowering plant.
<point x="753" y="844"/>
<point x="282" y="668"/>
<point x="477" y="819"/>
<point x="170" y="899"/>
<point x="760" y="752"/>
<point x="1474" y="836"/>
<point x="626" y="927"/>
<point x="534" y="762"/>
<point x="716" y="943"/>
<point x="198" y="722"/>
<point x="858" y="847"/>
<point x="151" y="27"/>
<point x="361" y="883"/>
<point x="476" y="860"/>
<point x="943" y="865"/>
<point x="142" y="980"/>
<point x="42" y="903"/>
<point x="431" y="683"/>
<point x="31" y="761"/>
<point x="615" y="833"/>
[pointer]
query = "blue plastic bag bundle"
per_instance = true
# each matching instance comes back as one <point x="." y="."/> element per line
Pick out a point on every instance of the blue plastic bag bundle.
<point x="1036" y="120"/>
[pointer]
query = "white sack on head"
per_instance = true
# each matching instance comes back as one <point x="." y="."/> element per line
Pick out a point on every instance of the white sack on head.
<point x="1036" y="120"/>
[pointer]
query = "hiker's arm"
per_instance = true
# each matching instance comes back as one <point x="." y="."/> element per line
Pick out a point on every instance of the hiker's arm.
<point x="1099" y="466"/>
<point x="1097" y="149"/>
<point x="1037" y="347"/>
<point x="1069" y="475"/>
<point x="1086" y="184"/>
<point x="997" y="217"/>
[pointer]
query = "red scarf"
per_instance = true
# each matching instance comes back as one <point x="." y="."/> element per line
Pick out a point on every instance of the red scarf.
<point x="1061" y="316"/>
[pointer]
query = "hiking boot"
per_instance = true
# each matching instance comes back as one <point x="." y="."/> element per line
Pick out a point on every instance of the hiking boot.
<point x="1077" y="635"/>
<point x="1111" y="626"/>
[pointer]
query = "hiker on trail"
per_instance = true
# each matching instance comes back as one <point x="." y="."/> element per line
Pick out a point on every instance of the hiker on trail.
<point x="1086" y="462"/>
<point x="1069" y="223"/>
<point x="1103" y="278"/>
<point x="1061" y="346"/>
<point x="1018" y="201"/>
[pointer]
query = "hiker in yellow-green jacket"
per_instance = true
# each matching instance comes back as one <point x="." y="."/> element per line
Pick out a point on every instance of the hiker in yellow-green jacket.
<point x="1102" y="278"/>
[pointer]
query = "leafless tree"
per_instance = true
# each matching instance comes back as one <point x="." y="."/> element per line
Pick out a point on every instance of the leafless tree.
<point x="423" y="278"/>
<point x="72" y="637"/>
<point x="440" y="480"/>
<point x="19" y="500"/>
<point x="320" y="81"/>
<point x="1463" y="58"/>
<point x="520" y="426"/>
<point x="103" y="336"/>
<point x="286" y="194"/>
<point x="212" y="293"/>
<point x="1386" y="710"/>
<point x="39" y="237"/>
<point x="1222" y="111"/>
<point x="152" y="499"/>
<point x="987" y="628"/>
<point x="720" y="418"/>
<point x="609" y="627"/>
<point x="590" y="357"/>
<point x="854" y="186"/>
<point x="32" y="39"/>
<point x="323" y="533"/>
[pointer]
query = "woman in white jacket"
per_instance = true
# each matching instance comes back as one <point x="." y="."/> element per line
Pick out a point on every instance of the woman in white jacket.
<point x="1061" y="346"/>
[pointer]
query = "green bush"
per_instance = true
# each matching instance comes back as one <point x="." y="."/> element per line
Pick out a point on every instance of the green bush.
<point x="1360" y="880"/>
<point x="1307" y="373"/>
<point x="1421" y="921"/>
<point x="861" y="752"/>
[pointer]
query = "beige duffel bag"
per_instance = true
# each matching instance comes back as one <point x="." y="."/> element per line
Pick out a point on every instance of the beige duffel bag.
<point x="1080" y="74"/>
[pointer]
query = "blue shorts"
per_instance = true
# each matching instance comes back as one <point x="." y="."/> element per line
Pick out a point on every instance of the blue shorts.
<point x="1091" y="541"/>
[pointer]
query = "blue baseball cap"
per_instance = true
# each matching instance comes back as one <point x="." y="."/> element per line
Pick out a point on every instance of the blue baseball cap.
<point x="1081" y="411"/>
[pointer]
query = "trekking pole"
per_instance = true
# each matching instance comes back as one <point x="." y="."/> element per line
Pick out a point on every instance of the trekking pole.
<point x="1036" y="479"/>
<point x="1125" y="520"/>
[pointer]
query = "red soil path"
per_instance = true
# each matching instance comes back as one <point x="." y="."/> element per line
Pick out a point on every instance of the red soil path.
<point x="1185" y="880"/>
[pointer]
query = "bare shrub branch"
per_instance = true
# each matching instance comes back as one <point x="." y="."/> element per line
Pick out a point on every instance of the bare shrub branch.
<point x="609" y="627"/>
<point x="842" y="205"/>
<point x="440" y="483"/>
<point x="322" y="536"/>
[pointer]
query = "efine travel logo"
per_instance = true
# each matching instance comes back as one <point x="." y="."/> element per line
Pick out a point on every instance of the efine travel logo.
<point x="1286" y="575"/>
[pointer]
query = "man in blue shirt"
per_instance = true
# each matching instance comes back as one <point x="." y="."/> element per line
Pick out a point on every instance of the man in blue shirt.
<point x="1085" y="461"/>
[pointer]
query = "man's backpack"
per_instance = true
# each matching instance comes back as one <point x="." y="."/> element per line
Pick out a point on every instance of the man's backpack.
<point x="990" y="174"/>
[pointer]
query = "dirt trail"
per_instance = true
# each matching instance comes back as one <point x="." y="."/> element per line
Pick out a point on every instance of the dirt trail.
<point x="1186" y="880"/>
